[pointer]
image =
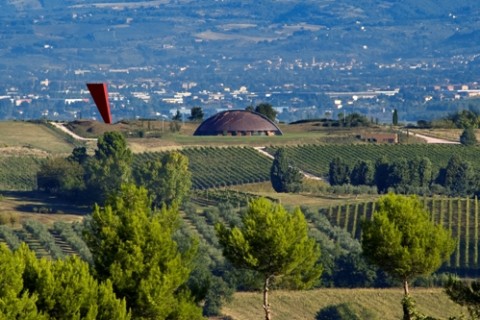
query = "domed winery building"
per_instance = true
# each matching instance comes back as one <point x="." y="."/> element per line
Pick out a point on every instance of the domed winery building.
<point x="237" y="123"/>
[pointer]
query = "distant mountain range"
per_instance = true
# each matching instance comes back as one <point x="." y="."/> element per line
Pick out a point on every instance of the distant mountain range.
<point x="138" y="29"/>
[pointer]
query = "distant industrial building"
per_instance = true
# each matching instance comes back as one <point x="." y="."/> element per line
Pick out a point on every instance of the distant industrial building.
<point x="237" y="123"/>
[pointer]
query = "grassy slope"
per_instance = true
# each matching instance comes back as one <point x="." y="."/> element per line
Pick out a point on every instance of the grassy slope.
<point x="384" y="304"/>
<point x="34" y="136"/>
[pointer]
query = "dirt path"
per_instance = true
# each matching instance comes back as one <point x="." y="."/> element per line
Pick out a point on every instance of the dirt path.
<point x="71" y="133"/>
<point x="431" y="139"/>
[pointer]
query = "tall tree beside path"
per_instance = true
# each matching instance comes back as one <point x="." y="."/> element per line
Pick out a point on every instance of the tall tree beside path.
<point x="283" y="175"/>
<point x="275" y="244"/>
<point x="133" y="246"/>
<point x="110" y="167"/>
<point x="402" y="240"/>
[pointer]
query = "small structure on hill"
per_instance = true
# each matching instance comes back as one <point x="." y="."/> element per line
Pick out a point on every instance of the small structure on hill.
<point x="237" y="123"/>
<point x="99" y="94"/>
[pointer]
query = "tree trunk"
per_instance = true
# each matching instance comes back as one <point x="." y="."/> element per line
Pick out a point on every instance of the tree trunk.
<point x="406" y="303"/>
<point x="266" y="305"/>
<point x="405" y="287"/>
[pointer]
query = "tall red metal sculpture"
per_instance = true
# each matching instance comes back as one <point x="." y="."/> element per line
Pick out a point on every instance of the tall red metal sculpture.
<point x="100" y="96"/>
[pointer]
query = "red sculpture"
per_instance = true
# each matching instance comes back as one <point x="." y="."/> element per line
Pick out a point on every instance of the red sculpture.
<point x="100" y="96"/>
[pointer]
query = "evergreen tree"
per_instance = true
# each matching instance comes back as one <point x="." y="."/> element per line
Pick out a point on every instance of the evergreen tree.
<point x="468" y="137"/>
<point x="250" y="108"/>
<point x="283" y="175"/>
<point x="110" y="167"/>
<point x="67" y="290"/>
<point x="34" y="288"/>
<point x="399" y="175"/>
<point x="167" y="180"/>
<point x="425" y="172"/>
<point x="79" y="155"/>
<point x="458" y="176"/>
<point x="403" y="241"/>
<point x="382" y="172"/>
<point x="275" y="244"/>
<point x="196" y="114"/>
<point x="339" y="172"/>
<point x="177" y="116"/>
<point x="417" y="177"/>
<point x="362" y="173"/>
<point x="60" y="176"/>
<point x="267" y="110"/>
<point x="395" y="117"/>
<point x="15" y="302"/>
<point x="132" y="245"/>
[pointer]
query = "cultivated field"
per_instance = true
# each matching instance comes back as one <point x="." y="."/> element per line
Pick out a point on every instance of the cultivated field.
<point x="460" y="215"/>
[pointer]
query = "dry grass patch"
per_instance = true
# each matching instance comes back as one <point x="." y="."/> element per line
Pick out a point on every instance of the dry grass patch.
<point x="311" y="200"/>
<point x="381" y="304"/>
<point x="26" y="135"/>
<point x="447" y="134"/>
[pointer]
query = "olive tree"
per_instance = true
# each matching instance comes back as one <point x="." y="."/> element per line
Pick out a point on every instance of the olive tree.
<point x="402" y="240"/>
<point x="275" y="244"/>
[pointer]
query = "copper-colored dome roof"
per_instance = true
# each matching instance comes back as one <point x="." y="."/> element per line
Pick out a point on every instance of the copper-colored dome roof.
<point x="237" y="122"/>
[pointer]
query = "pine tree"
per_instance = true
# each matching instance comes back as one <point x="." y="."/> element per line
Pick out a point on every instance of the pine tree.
<point x="275" y="244"/>
<point x="133" y="246"/>
<point x="403" y="241"/>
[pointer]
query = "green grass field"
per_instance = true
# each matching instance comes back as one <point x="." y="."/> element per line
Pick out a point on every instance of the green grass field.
<point x="377" y="304"/>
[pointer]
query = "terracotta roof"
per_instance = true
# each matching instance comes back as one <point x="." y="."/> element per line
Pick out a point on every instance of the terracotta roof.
<point x="236" y="121"/>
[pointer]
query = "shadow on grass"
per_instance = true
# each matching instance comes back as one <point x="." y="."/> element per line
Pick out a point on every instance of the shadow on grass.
<point x="344" y="311"/>
<point x="40" y="202"/>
